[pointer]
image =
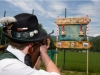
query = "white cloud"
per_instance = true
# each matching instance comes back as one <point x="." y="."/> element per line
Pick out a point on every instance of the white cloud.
<point x="38" y="5"/>
<point x="57" y="5"/>
<point x="96" y="35"/>
<point x="43" y="11"/>
<point x="93" y="11"/>
<point x="20" y="4"/>
<point x="27" y="5"/>
<point x="56" y="8"/>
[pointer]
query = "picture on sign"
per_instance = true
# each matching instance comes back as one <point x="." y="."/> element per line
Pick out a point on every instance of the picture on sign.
<point x="72" y="44"/>
<point x="85" y="44"/>
<point x="59" y="43"/>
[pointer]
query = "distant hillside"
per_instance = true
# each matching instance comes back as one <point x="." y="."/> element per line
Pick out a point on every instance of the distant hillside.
<point x="91" y="38"/>
<point x="94" y="38"/>
<point x="98" y="36"/>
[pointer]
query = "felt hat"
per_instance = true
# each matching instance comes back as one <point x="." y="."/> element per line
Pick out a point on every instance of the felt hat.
<point x="22" y="28"/>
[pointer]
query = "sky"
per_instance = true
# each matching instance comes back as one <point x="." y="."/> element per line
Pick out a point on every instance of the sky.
<point x="48" y="10"/>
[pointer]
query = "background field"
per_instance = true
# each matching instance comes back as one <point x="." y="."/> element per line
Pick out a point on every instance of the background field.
<point x="76" y="61"/>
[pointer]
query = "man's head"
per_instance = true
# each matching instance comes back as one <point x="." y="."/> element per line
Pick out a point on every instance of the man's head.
<point x="22" y="28"/>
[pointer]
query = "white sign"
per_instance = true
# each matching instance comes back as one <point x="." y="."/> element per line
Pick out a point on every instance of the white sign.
<point x="72" y="44"/>
<point x="85" y="44"/>
<point x="59" y="43"/>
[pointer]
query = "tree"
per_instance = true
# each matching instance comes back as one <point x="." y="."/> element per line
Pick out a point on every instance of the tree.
<point x="41" y="28"/>
<point x="95" y="44"/>
<point x="52" y="42"/>
<point x="2" y="37"/>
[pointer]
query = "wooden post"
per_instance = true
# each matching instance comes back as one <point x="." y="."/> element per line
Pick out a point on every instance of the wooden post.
<point x="56" y="50"/>
<point x="56" y="57"/>
<point x="33" y="12"/>
<point x="64" y="59"/>
<point x="64" y="49"/>
<point x="87" y="61"/>
<point x="56" y="47"/>
<point x="87" y="53"/>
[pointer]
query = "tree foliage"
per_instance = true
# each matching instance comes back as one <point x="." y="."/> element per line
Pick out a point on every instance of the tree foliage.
<point x="41" y="28"/>
<point x="95" y="44"/>
<point x="2" y="37"/>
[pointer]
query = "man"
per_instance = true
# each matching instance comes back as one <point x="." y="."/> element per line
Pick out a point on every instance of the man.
<point x="23" y="33"/>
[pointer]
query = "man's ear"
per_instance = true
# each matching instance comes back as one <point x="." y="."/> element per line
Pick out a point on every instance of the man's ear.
<point x="30" y="44"/>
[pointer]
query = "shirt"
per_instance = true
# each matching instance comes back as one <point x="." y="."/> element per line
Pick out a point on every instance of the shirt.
<point x="11" y="66"/>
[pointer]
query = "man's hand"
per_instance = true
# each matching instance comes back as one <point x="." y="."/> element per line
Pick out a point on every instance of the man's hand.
<point x="43" y="49"/>
<point x="48" y="63"/>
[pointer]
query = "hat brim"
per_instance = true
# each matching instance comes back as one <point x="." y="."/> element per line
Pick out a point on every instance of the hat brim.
<point x="40" y="36"/>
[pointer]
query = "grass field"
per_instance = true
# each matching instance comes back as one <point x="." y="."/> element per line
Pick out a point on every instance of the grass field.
<point x="76" y="61"/>
<point x="77" y="73"/>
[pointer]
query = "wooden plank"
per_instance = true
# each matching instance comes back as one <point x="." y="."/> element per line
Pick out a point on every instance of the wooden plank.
<point x="73" y="44"/>
<point x="69" y="21"/>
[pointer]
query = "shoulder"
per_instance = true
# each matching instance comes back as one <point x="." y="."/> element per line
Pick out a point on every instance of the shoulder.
<point x="8" y="61"/>
<point x="14" y="66"/>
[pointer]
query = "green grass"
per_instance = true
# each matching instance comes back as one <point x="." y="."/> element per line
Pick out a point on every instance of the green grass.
<point x="78" y="73"/>
<point x="76" y="61"/>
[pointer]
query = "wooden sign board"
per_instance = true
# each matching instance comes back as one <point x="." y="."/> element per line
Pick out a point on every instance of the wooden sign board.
<point x="72" y="33"/>
<point x="73" y="44"/>
<point x="67" y="21"/>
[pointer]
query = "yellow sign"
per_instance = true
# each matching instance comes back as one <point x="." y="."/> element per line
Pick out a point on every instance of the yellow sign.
<point x="73" y="44"/>
<point x="67" y="21"/>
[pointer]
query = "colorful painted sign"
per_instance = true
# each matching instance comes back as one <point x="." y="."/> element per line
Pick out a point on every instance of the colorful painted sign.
<point x="72" y="33"/>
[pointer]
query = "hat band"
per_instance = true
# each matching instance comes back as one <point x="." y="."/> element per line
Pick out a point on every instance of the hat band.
<point x="24" y="35"/>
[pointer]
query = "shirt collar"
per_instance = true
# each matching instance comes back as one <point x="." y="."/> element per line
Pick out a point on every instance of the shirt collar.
<point x="16" y="52"/>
